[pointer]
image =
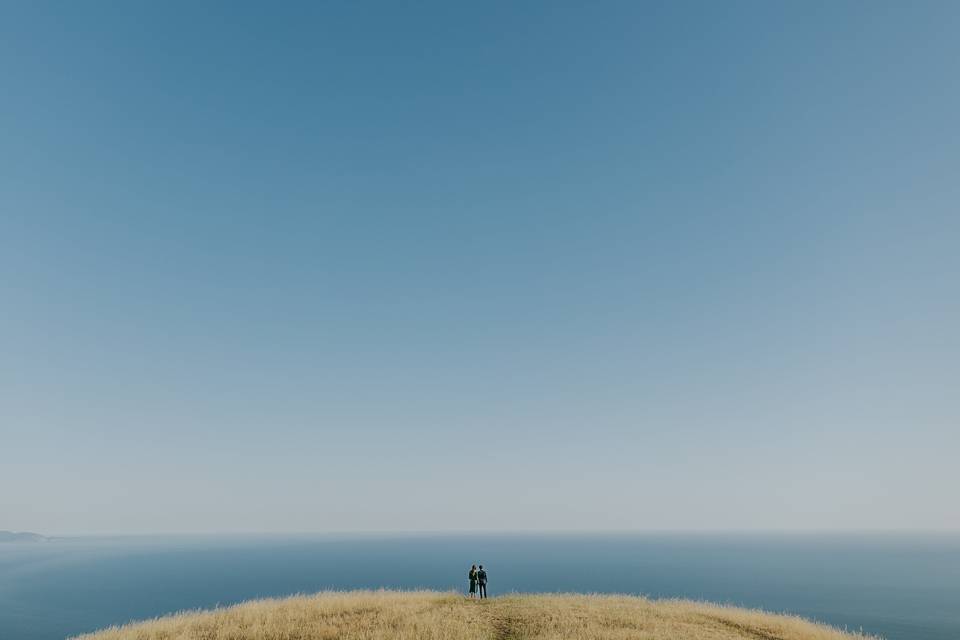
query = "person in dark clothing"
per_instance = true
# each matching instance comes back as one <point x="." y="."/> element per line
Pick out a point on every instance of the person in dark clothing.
<point x="482" y="581"/>
<point x="473" y="581"/>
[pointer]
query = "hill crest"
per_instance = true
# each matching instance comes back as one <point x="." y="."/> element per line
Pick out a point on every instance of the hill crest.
<point x="422" y="615"/>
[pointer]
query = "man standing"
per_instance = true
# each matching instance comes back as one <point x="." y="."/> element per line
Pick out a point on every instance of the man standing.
<point x="482" y="581"/>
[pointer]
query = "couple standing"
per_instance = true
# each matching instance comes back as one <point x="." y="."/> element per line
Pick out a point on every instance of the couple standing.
<point x="478" y="577"/>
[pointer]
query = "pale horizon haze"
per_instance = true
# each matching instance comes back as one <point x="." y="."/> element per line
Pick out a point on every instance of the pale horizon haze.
<point x="311" y="267"/>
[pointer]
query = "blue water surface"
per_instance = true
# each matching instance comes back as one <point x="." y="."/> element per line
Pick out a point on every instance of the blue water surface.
<point x="901" y="587"/>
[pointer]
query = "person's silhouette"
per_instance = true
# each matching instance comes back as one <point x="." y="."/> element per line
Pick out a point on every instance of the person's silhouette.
<point x="482" y="581"/>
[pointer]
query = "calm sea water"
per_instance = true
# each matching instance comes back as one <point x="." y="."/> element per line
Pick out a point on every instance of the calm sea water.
<point x="900" y="587"/>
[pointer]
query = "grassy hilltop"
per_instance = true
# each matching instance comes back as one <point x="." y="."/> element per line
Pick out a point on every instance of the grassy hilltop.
<point x="416" y="615"/>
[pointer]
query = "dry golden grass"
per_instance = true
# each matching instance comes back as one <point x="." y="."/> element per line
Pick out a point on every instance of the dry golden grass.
<point x="424" y="615"/>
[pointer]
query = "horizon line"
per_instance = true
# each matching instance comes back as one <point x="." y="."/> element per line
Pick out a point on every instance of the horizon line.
<point x="461" y="532"/>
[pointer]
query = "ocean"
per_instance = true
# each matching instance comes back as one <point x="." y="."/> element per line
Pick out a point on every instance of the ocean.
<point x="900" y="587"/>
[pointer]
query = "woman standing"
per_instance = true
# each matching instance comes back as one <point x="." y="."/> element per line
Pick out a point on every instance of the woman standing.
<point x="473" y="581"/>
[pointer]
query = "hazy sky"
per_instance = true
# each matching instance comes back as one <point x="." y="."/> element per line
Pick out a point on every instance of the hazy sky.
<point x="357" y="266"/>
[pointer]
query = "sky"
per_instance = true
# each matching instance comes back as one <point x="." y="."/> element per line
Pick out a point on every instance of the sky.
<point x="307" y="267"/>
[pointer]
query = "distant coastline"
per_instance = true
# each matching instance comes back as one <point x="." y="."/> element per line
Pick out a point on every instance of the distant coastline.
<point x="21" y="536"/>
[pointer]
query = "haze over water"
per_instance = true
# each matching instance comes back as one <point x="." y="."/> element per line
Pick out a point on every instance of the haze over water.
<point x="903" y="587"/>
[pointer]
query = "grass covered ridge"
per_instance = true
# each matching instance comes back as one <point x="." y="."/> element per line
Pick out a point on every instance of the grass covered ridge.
<point x="410" y="615"/>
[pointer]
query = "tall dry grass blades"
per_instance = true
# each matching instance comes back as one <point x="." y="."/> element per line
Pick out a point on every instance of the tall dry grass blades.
<point x="428" y="615"/>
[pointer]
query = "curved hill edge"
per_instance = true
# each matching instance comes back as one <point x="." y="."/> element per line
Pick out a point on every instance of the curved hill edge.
<point x="423" y="614"/>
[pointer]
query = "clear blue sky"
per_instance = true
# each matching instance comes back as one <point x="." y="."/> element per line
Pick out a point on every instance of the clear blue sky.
<point x="358" y="266"/>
